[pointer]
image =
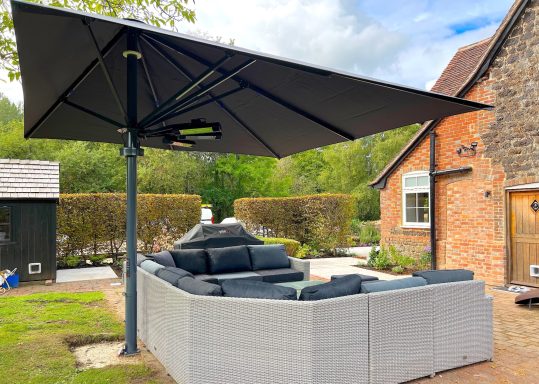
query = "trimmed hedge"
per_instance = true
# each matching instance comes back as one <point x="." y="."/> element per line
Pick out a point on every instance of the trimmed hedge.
<point x="93" y="223"/>
<point x="321" y="221"/>
<point x="290" y="245"/>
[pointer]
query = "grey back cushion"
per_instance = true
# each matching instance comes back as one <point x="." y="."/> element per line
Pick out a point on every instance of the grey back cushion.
<point x="344" y="286"/>
<point x="268" y="256"/>
<point x="164" y="258"/>
<point x="257" y="290"/>
<point x="192" y="260"/>
<point x="445" y="276"/>
<point x="380" y="286"/>
<point x="172" y="274"/>
<point x="229" y="259"/>
<point x="151" y="266"/>
<point x="199" y="287"/>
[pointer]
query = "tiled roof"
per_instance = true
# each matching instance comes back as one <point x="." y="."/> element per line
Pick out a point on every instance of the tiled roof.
<point x="461" y="66"/>
<point x="29" y="179"/>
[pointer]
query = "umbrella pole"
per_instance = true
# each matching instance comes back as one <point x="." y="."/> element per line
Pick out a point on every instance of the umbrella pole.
<point x="131" y="151"/>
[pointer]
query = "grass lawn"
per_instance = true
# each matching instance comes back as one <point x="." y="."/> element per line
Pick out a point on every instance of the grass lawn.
<point x="36" y="332"/>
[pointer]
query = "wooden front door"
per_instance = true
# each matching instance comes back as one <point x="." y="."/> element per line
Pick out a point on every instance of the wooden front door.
<point x="524" y="237"/>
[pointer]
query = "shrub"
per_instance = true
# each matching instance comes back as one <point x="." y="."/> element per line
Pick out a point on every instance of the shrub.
<point x="397" y="258"/>
<point x="425" y="259"/>
<point x="97" y="259"/>
<point x="381" y="260"/>
<point x="95" y="223"/>
<point x="306" y="250"/>
<point x="73" y="261"/>
<point x="397" y="269"/>
<point x="369" y="234"/>
<point x="291" y="246"/>
<point x="321" y="221"/>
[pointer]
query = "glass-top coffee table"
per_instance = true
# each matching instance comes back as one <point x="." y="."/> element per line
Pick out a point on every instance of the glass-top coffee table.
<point x="299" y="285"/>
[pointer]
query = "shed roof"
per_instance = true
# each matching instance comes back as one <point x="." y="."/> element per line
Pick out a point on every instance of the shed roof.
<point x="29" y="179"/>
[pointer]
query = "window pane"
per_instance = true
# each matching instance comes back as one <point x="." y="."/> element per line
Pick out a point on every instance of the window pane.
<point x="410" y="200"/>
<point x="410" y="182"/>
<point x="411" y="215"/>
<point x="4" y="215"/>
<point x="423" y="200"/>
<point x="422" y="215"/>
<point x="422" y="181"/>
<point x="4" y="232"/>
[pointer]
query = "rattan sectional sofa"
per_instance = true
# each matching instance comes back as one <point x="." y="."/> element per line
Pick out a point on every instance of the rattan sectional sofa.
<point x="384" y="337"/>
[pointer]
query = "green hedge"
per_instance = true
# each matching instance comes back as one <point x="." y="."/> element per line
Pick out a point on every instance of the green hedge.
<point x="321" y="221"/>
<point x="89" y="224"/>
<point x="291" y="246"/>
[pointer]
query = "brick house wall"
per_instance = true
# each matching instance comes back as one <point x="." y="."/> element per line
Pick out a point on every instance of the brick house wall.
<point x="470" y="208"/>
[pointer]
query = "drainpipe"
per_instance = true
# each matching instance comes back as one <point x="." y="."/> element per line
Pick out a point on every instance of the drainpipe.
<point x="432" y="199"/>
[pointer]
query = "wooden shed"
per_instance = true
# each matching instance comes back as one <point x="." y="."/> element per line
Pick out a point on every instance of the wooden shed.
<point x="29" y="193"/>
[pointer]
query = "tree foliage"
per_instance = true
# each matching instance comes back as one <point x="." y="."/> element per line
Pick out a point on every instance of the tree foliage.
<point x="161" y="13"/>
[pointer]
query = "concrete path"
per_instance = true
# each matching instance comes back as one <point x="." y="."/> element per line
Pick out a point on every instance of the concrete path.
<point x="83" y="274"/>
<point x="325" y="267"/>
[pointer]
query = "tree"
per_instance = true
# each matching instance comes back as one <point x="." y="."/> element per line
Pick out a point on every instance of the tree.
<point x="161" y="13"/>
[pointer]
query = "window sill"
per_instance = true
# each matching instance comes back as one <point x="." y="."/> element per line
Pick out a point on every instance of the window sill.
<point x="409" y="226"/>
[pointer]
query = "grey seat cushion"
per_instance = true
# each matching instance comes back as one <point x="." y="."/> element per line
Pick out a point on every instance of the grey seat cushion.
<point x="281" y="275"/>
<point x="164" y="258"/>
<point x="206" y="278"/>
<point x="151" y="266"/>
<point x="380" y="286"/>
<point x="140" y="259"/>
<point x="268" y="256"/>
<point x="445" y="276"/>
<point x="172" y="274"/>
<point x="229" y="259"/>
<point x="199" y="287"/>
<point x="344" y="286"/>
<point x="257" y="290"/>
<point x="363" y="277"/>
<point x="192" y="260"/>
<point x="238" y="275"/>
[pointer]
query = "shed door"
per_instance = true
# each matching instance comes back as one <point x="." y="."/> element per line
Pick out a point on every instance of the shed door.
<point x="524" y="236"/>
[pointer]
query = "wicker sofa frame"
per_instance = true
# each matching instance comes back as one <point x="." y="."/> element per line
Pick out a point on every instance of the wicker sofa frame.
<point x="385" y="337"/>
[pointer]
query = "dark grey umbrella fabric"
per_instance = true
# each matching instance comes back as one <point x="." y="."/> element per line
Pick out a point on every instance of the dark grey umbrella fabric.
<point x="266" y="105"/>
<point x="216" y="236"/>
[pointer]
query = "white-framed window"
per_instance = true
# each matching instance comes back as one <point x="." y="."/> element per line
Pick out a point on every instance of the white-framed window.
<point x="415" y="200"/>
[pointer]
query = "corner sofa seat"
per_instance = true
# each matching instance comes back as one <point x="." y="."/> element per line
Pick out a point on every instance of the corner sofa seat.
<point x="382" y="337"/>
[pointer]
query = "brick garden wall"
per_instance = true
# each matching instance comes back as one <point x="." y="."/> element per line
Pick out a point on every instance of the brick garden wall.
<point x="470" y="208"/>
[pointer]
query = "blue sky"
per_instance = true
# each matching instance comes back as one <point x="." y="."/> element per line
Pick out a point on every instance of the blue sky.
<point x="402" y="41"/>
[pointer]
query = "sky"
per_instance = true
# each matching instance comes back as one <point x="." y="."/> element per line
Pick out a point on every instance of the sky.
<point x="402" y="41"/>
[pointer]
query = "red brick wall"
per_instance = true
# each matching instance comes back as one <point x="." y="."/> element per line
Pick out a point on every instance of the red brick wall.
<point x="469" y="207"/>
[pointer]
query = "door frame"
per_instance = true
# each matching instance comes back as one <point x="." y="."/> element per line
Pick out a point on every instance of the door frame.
<point x="508" y="244"/>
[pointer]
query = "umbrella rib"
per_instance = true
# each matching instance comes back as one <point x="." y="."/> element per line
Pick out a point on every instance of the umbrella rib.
<point x="148" y="78"/>
<point x="184" y="73"/>
<point x="201" y="104"/>
<point x="259" y="90"/>
<point x="93" y="113"/>
<point x="85" y="73"/>
<point x="163" y="110"/>
<point x="107" y="74"/>
<point x="201" y="93"/>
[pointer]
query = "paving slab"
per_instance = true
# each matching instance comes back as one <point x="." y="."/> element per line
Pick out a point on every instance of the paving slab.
<point x="326" y="267"/>
<point x="83" y="274"/>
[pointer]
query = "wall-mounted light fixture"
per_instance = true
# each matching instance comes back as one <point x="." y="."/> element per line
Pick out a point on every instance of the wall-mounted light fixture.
<point x="467" y="151"/>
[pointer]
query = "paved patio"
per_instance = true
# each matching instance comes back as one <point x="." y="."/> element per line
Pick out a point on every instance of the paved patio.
<point x="516" y="330"/>
<point x="326" y="267"/>
<point x="83" y="274"/>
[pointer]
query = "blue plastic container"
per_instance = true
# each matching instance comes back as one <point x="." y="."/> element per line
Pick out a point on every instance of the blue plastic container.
<point x="13" y="281"/>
